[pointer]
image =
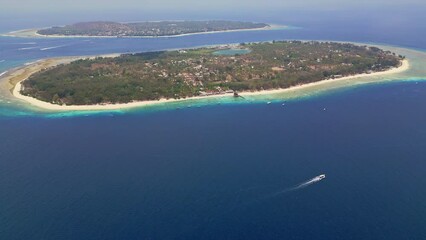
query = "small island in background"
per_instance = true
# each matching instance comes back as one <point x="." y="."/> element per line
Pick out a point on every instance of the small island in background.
<point x="148" y="29"/>
<point x="203" y="72"/>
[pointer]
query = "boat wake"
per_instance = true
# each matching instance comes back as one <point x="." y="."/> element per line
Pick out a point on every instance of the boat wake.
<point x="48" y="48"/>
<point x="26" y="48"/>
<point x="298" y="186"/>
<point x="287" y="190"/>
<point x="309" y="182"/>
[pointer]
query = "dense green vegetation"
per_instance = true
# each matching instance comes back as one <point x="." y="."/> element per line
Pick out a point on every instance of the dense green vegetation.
<point x="185" y="73"/>
<point x="163" y="28"/>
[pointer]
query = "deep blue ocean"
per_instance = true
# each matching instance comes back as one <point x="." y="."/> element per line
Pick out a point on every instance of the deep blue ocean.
<point x="221" y="171"/>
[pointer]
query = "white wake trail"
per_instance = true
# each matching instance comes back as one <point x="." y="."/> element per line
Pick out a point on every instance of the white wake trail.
<point x="310" y="182"/>
<point x="48" y="48"/>
<point x="298" y="186"/>
<point x="26" y="48"/>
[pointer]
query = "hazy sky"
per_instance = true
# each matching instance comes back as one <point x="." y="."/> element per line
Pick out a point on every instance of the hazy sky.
<point x="18" y="14"/>
<point x="191" y="5"/>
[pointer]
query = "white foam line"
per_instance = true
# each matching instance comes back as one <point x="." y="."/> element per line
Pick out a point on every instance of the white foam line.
<point x="29" y="63"/>
<point x="48" y="48"/>
<point x="3" y="73"/>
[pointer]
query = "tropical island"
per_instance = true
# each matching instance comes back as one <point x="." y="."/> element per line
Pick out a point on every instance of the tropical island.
<point x="205" y="71"/>
<point x="148" y="29"/>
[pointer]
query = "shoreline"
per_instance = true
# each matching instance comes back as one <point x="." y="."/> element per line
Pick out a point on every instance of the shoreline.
<point x="32" y="33"/>
<point x="17" y="76"/>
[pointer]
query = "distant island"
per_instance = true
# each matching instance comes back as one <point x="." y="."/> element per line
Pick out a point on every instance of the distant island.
<point x="147" y="29"/>
<point x="202" y="72"/>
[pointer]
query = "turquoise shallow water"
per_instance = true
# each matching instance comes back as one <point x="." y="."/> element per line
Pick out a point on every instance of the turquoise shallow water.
<point x="217" y="169"/>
